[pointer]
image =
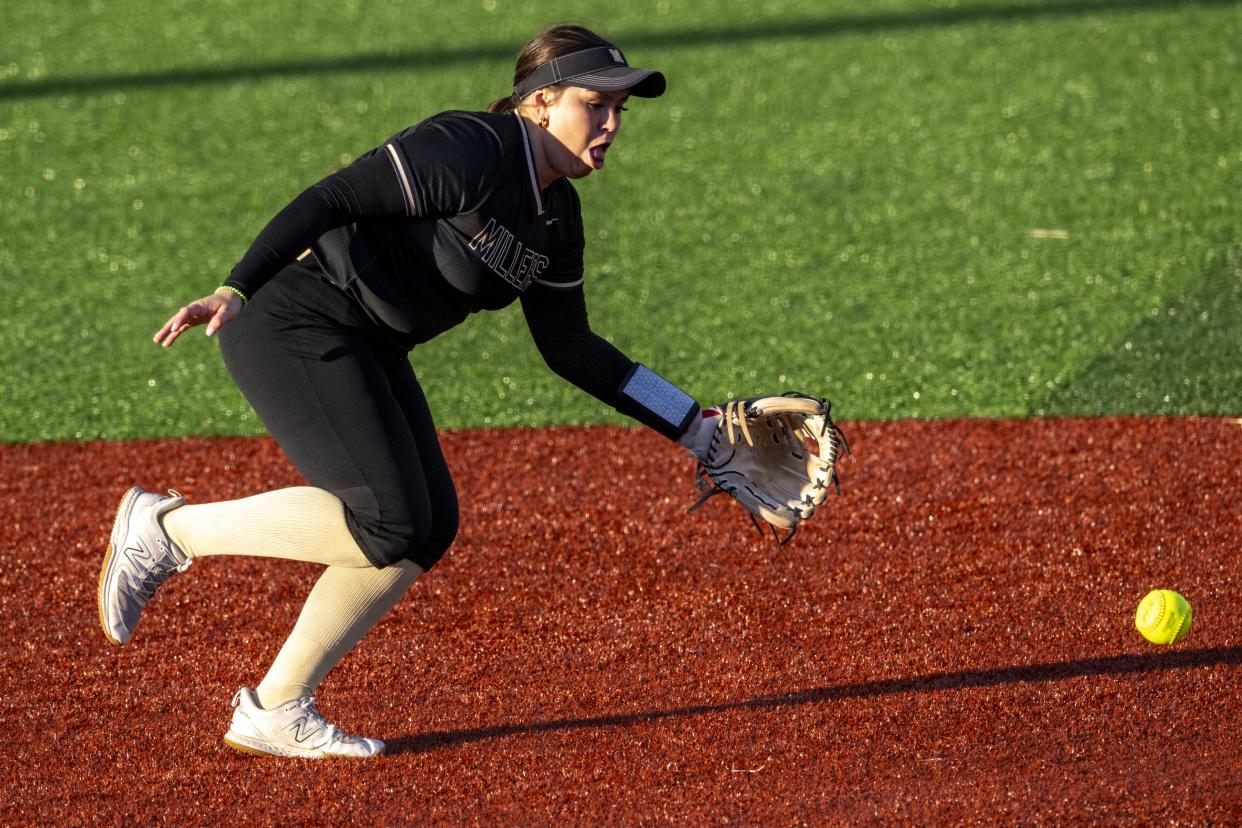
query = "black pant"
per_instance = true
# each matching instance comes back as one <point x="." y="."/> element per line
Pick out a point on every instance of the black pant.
<point x="344" y="404"/>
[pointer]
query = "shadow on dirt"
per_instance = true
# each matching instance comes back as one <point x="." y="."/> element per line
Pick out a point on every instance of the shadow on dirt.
<point x="964" y="680"/>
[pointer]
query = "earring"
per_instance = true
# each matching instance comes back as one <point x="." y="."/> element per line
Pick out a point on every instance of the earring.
<point x="543" y="122"/>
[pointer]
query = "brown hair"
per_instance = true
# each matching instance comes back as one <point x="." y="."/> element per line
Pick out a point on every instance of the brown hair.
<point x="554" y="42"/>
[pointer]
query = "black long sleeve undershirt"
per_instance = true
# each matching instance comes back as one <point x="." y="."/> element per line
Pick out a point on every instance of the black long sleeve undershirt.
<point x="365" y="188"/>
<point x="558" y="322"/>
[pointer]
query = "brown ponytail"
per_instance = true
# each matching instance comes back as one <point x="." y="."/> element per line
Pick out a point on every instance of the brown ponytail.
<point x="506" y="104"/>
<point x="554" y="42"/>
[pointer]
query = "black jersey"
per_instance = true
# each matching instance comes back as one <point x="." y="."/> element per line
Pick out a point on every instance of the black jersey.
<point x="444" y="219"/>
<point x="482" y="231"/>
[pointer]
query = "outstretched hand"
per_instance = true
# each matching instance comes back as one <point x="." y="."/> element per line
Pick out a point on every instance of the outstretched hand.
<point x="216" y="310"/>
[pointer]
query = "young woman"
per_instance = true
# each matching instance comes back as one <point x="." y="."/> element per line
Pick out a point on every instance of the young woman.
<point x="464" y="212"/>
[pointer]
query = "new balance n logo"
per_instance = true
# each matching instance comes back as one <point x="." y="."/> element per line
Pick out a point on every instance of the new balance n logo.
<point x="303" y="729"/>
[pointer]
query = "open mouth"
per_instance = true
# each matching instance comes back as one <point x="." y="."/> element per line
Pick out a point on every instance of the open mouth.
<point x="597" y="155"/>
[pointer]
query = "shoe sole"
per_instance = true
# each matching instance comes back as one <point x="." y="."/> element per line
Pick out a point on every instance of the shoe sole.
<point x="124" y="509"/>
<point x="254" y="750"/>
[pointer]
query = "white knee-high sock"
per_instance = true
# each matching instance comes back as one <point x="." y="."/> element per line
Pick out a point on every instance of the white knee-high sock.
<point x="301" y="523"/>
<point x="304" y="524"/>
<point x="344" y="604"/>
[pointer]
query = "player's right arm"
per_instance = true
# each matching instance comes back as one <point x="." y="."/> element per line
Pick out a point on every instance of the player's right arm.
<point x="368" y="187"/>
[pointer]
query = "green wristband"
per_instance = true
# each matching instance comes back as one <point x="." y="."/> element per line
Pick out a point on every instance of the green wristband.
<point x="232" y="289"/>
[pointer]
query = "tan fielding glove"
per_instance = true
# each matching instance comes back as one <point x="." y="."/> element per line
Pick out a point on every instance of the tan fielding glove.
<point x="776" y="456"/>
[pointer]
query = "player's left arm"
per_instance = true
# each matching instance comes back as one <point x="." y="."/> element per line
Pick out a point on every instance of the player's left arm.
<point x="558" y="322"/>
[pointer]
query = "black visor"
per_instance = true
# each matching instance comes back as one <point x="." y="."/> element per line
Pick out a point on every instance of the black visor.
<point x="603" y="69"/>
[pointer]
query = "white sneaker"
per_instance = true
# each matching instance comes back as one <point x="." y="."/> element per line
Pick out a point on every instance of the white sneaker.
<point x="140" y="557"/>
<point x="294" y="728"/>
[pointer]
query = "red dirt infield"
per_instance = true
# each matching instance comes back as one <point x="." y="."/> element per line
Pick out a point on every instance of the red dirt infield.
<point x="952" y="640"/>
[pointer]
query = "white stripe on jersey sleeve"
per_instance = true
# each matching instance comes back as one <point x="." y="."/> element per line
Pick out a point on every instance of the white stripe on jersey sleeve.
<point x="407" y="195"/>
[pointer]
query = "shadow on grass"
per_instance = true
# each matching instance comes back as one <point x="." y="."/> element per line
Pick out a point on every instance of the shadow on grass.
<point x="784" y="27"/>
<point x="1182" y="360"/>
<point x="964" y="680"/>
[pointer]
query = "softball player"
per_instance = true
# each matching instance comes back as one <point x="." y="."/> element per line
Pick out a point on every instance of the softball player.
<point x="464" y="212"/>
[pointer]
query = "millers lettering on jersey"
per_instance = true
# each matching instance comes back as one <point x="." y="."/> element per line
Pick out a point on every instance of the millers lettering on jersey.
<point x="507" y="257"/>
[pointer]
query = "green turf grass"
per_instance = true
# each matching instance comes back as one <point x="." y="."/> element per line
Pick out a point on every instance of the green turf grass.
<point x="918" y="209"/>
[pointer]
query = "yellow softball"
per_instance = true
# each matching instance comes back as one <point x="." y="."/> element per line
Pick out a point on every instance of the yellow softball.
<point x="1163" y="616"/>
